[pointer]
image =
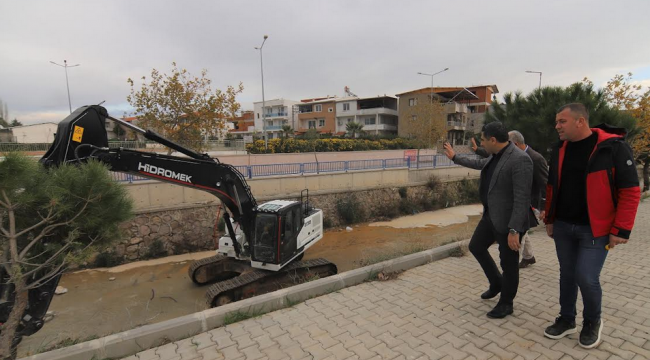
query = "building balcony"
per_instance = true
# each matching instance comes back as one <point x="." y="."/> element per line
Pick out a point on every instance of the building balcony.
<point x="273" y="128"/>
<point x="375" y="111"/>
<point x="386" y="127"/>
<point x="456" y="108"/>
<point x="274" y="115"/>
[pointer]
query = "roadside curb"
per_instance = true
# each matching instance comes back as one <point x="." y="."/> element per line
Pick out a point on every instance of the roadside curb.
<point x="133" y="341"/>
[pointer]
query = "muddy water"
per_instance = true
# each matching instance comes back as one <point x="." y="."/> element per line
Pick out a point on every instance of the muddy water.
<point x="152" y="291"/>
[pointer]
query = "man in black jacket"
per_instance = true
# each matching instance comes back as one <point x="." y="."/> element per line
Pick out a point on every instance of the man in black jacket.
<point x="593" y="195"/>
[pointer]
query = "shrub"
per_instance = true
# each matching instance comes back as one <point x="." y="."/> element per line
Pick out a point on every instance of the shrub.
<point x="156" y="250"/>
<point x="406" y="207"/>
<point x="350" y="210"/>
<point x="107" y="258"/>
<point x="433" y="183"/>
<point x="469" y="191"/>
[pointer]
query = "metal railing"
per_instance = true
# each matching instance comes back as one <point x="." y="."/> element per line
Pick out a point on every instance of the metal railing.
<point x="255" y="171"/>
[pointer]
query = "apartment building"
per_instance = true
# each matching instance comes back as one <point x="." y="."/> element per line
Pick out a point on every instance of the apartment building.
<point x="275" y="113"/>
<point x="378" y="115"/>
<point x="317" y="113"/>
<point x="464" y="109"/>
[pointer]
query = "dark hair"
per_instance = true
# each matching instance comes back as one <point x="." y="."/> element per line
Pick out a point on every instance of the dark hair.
<point x="576" y="108"/>
<point x="496" y="130"/>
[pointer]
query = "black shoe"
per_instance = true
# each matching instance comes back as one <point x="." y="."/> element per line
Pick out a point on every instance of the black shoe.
<point x="500" y="311"/>
<point x="561" y="328"/>
<point x="591" y="334"/>
<point x="490" y="294"/>
<point x="524" y="263"/>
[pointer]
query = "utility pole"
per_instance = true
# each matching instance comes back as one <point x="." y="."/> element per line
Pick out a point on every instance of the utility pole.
<point x="540" y="76"/>
<point x="66" y="66"/>
<point x="266" y="141"/>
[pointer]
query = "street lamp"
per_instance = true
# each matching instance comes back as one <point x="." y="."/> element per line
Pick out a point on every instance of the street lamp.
<point x="266" y="142"/>
<point x="432" y="75"/>
<point x="66" y="66"/>
<point x="431" y="92"/>
<point x="540" y="76"/>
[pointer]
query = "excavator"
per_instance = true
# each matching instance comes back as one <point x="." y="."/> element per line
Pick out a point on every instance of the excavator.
<point x="263" y="245"/>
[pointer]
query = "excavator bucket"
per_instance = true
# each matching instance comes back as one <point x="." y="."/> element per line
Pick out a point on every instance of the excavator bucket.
<point x="86" y="125"/>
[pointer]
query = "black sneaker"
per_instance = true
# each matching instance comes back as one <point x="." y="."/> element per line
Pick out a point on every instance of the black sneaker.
<point x="561" y="328"/>
<point x="591" y="334"/>
<point x="524" y="263"/>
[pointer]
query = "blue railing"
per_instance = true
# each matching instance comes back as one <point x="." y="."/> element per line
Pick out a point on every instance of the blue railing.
<point x="254" y="171"/>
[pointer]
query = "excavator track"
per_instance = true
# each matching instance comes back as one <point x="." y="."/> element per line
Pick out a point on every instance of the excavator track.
<point x="257" y="281"/>
<point x="216" y="268"/>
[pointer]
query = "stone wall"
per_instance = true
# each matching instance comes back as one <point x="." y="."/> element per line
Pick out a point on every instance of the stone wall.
<point x="189" y="229"/>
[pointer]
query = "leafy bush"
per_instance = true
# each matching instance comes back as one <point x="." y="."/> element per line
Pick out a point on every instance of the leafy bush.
<point x="433" y="183"/>
<point x="107" y="258"/>
<point x="350" y="210"/>
<point x="156" y="250"/>
<point x="327" y="145"/>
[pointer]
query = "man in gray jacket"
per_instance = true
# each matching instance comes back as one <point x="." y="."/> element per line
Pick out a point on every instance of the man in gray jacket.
<point x="506" y="179"/>
<point x="538" y="190"/>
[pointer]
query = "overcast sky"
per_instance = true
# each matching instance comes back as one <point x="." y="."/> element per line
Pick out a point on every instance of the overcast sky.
<point x="315" y="48"/>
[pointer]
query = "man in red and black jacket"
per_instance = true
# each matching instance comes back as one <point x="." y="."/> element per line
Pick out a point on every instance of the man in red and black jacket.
<point x="591" y="201"/>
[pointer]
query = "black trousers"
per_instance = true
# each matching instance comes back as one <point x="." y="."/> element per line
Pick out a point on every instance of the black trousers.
<point x="484" y="236"/>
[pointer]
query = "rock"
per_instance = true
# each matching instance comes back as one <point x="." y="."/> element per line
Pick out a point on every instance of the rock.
<point x="144" y="230"/>
<point x="348" y="228"/>
<point x="111" y="278"/>
<point x="135" y="240"/>
<point x="60" y="290"/>
<point x="48" y="316"/>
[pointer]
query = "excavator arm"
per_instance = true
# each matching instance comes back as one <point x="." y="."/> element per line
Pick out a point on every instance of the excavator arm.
<point x="82" y="136"/>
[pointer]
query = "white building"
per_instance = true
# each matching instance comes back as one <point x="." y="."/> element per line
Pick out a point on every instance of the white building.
<point x="378" y="115"/>
<point x="276" y="112"/>
<point x="37" y="133"/>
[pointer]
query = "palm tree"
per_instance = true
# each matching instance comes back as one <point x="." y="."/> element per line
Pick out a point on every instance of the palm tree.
<point x="286" y="130"/>
<point x="354" y="128"/>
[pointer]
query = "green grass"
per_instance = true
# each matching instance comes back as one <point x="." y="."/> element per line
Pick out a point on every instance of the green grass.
<point x="238" y="316"/>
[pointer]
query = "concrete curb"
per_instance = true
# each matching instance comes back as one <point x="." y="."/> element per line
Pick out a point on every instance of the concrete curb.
<point x="133" y="341"/>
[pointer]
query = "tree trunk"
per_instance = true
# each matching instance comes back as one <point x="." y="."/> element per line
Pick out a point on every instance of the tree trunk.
<point x="646" y="174"/>
<point x="9" y="328"/>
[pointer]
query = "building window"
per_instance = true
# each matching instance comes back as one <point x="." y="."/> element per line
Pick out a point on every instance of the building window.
<point x="312" y="124"/>
<point x="346" y="106"/>
<point x="414" y="117"/>
<point x="413" y="101"/>
<point x="318" y="108"/>
<point x="349" y="119"/>
<point x="330" y="110"/>
<point x="258" y="115"/>
<point x="321" y="122"/>
<point x="369" y="121"/>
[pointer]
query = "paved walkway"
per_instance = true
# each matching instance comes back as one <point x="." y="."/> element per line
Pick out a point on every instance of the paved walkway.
<point x="434" y="311"/>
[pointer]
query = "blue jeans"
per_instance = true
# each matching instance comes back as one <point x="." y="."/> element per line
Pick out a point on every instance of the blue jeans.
<point x="581" y="258"/>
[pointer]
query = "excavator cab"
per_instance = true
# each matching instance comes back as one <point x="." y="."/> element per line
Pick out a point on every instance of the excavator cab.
<point x="278" y="225"/>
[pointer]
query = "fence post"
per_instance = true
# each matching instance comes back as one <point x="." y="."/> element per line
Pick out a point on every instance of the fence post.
<point x="435" y="161"/>
<point x="408" y="162"/>
<point x="346" y="166"/>
<point x="302" y="168"/>
<point x="250" y="171"/>
<point x="383" y="164"/>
